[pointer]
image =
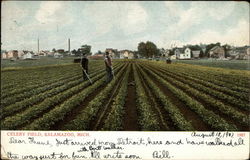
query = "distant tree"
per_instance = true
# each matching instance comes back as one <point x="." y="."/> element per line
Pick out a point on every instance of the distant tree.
<point x="148" y="49"/>
<point x="142" y="49"/>
<point x="78" y="52"/>
<point x="162" y="52"/>
<point x="99" y="52"/>
<point x="171" y="52"/>
<point x="53" y="50"/>
<point x="151" y="49"/>
<point x="74" y="52"/>
<point x="85" y="49"/>
<point x="136" y="54"/>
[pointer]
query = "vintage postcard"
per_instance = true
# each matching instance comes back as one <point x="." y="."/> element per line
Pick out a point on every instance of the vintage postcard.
<point x="125" y="80"/>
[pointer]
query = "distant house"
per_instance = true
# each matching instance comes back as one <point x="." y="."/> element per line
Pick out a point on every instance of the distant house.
<point x="4" y="55"/>
<point x="241" y="53"/>
<point x="217" y="52"/>
<point x="58" y="55"/>
<point x="164" y="52"/>
<point x="43" y="53"/>
<point x="20" y="54"/>
<point x="182" y="53"/>
<point x="186" y="54"/>
<point x="126" y="54"/>
<point x="61" y="51"/>
<point x="196" y="54"/>
<point x="13" y="54"/>
<point x="178" y="52"/>
<point x="28" y="56"/>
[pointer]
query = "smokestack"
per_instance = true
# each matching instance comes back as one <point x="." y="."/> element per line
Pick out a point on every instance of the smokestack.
<point x="69" y="44"/>
<point x="38" y="45"/>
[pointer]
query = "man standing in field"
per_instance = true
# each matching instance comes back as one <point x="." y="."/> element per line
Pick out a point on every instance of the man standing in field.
<point x="109" y="69"/>
<point x="84" y="65"/>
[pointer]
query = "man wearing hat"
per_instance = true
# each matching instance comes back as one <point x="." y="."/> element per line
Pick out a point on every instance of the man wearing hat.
<point x="84" y="64"/>
<point x="109" y="69"/>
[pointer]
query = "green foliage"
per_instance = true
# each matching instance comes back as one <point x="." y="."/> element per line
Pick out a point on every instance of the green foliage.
<point x="147" y="118"/>
<point x="82" y="121"/>
<point x="208" y="116"/>
<point x="199" y="91"/>
<point x="85" y="49"/>
<point x="38" y="98"/>
<point x="173" y="111"/>
<point x="114" y="119"/>
<point x="148" y="49"/>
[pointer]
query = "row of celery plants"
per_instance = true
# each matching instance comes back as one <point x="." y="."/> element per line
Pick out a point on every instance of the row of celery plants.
<point x="43" y="88"/>
<point x="42" y="99"/>
<point x="33" y="76"/>
<point x="240" y="78"/>
<point x="240" y="96"/>
<point x="176" y="116"/>
<point x="205" y="76"/>
<point x="148" y="120"/>
<point x="83" y="119"/>
<point x="35" y="111"/>
<point x="42" y="75"/>
<point x="44" y="81"/>
<point x="209" y="117"/>
<point x="60" y="111"/>
<point x="218" y="95"/>
<point x="113" y="122"/>
<point x="227" y="110"/>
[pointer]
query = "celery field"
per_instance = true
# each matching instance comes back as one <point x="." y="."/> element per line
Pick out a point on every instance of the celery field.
<point x="143" y="96"/>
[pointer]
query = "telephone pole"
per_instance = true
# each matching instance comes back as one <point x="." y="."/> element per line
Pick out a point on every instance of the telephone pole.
<point x="69" y="44"/>
<point x="38" y="45"/>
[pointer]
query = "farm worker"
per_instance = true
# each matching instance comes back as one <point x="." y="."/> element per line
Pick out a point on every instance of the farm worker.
<point x="84" y="64"/>
<point x="109" y="69"/>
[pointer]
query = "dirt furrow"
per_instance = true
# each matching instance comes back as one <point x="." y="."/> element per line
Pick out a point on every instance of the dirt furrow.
<point x="130" y="122"/>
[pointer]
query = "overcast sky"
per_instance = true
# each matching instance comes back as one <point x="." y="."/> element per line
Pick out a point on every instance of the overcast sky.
<point x="121" y="25"/>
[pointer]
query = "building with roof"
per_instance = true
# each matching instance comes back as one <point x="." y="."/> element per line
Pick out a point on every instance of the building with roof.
<point x="217" y="52"/>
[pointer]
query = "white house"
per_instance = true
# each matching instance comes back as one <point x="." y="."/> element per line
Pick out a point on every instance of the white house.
<point x="126" y="54"/>
<point x="58" y="55"/>
<point x="186" y="54"/>
<point x="196" y="53"/>
<point x="178" y="52"/>
<point x="4" y="55"/>
<point x="182" y="53"/>
<point x="43" y="53"/>
<point x="28" y="56"/>
<point x="20" y="54"/>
